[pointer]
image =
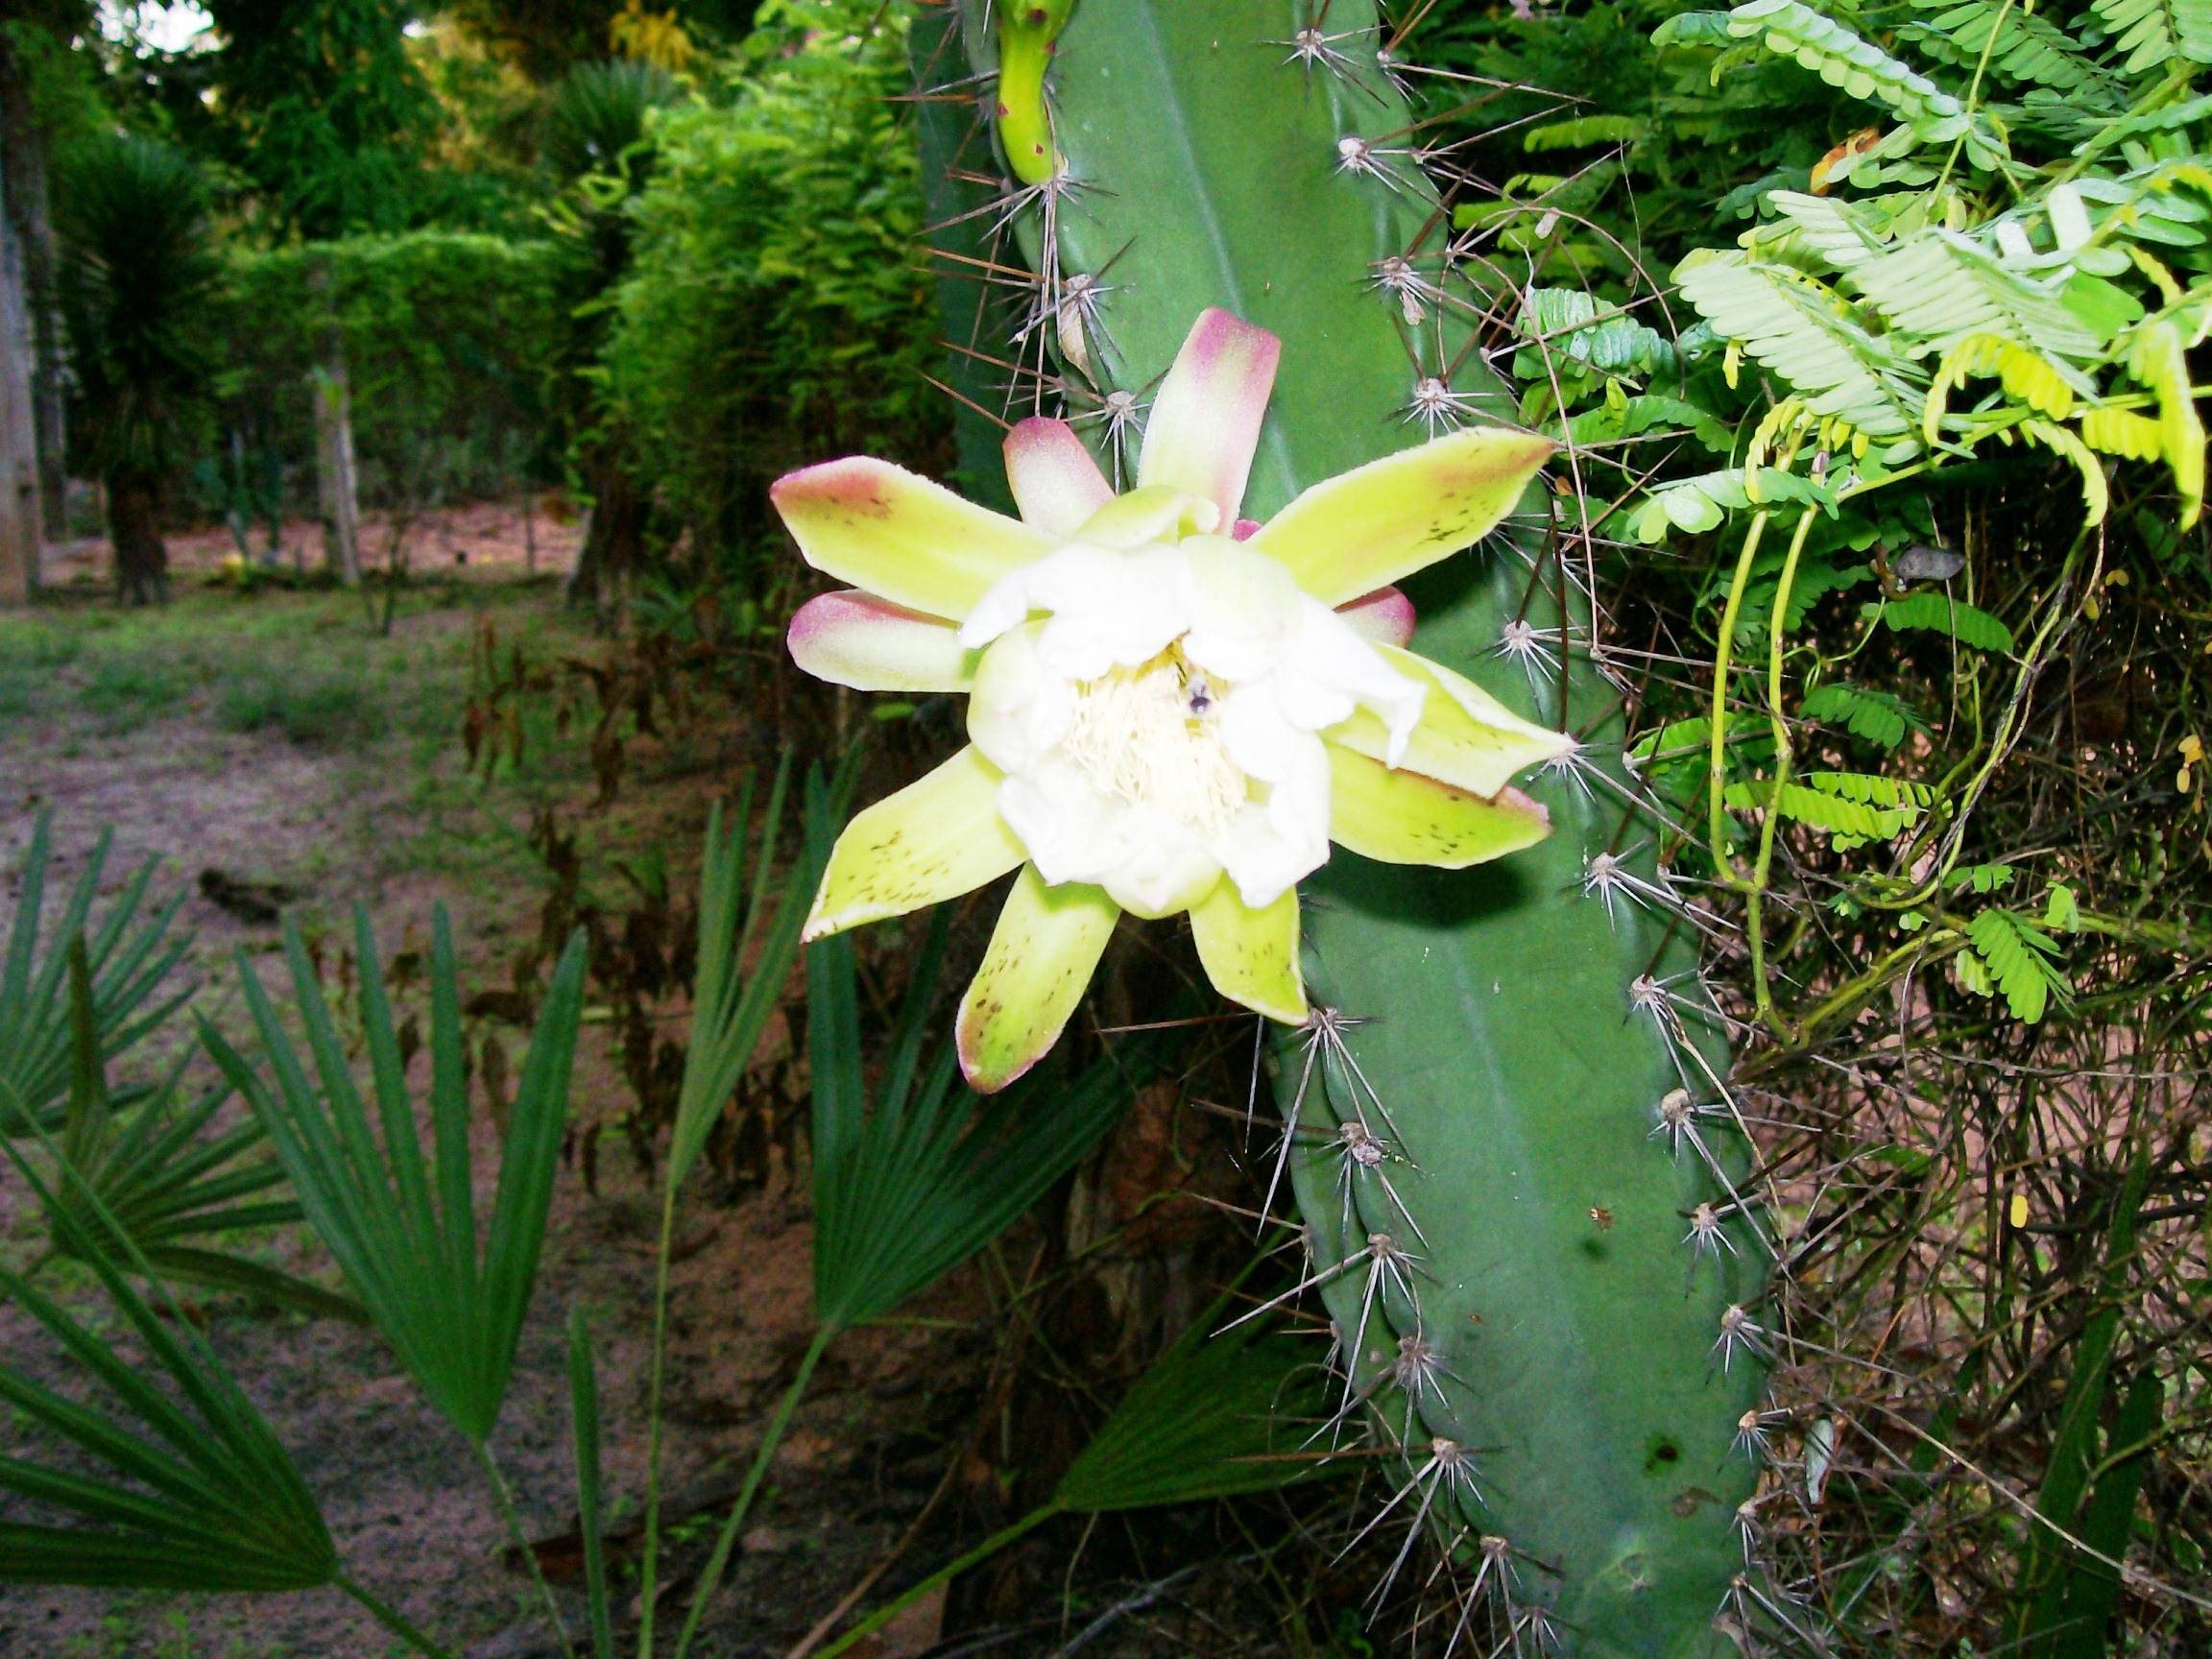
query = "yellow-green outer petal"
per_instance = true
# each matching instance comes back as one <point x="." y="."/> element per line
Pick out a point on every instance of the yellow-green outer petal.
<point x="1376" y="524"/>
<point x="1047" y="941"/>
<point x="1466" y="738"/>
<point x="898" y="536"/>
<point x="937" y="838"/>
<point x="1252" y="956"/>
<point x="1405" y="817"/>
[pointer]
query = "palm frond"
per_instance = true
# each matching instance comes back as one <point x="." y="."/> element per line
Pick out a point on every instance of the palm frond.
<point x="400" y="1220"/>
<point x="731" y="1005"/>
<point x="584" y="1436"/>
<point x="146" y="1189"/>
<point x="1214" y="1417"/>
<point x="188" y="1490"/>
<point x="129" y="955"/>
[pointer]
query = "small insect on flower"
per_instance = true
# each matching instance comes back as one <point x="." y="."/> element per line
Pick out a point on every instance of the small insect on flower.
<point x="1172" y="710"/>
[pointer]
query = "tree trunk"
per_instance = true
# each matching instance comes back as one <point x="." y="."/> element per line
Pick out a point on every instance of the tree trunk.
<point x="135" y="526"/>
<point x="615" y="534"/>
<point x="23" y="181"/>
<point x="19" y="517"/>
<point x="337" y="484"/>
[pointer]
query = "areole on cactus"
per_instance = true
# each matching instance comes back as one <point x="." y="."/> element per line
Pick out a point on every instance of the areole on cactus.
<point x="1172" y="710"/>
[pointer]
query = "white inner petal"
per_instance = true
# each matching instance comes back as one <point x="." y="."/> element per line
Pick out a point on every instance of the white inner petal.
<point x="1152" y="735"/>
<point x="1157" y="711"/>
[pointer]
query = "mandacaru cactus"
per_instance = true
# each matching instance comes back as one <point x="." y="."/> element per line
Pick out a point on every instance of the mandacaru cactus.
<point x="1522" y="1181"/>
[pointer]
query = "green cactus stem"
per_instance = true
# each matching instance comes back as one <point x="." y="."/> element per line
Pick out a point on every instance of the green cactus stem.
<point x="1519" y="1171"/>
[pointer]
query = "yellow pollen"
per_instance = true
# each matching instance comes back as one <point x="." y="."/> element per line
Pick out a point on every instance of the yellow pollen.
<point x="1150" y="735"/>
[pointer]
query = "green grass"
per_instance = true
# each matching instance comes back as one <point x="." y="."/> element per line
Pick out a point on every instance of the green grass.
<point x="309" y="671"/>
<point x="124" y="693"/>
<point x="314" y="710"/>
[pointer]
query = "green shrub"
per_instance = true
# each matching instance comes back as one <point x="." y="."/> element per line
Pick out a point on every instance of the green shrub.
<point x="448" y="336"/>
<point x="774" y="313"/>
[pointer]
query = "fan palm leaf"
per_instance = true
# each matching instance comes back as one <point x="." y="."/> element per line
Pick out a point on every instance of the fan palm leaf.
<point x="131" y="955"/>
<point x="400" y="1219"/>
<point x="150" y="1186"/>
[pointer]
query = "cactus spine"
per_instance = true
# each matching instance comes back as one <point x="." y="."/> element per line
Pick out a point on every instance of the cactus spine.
<point x="1516" y="1165"/>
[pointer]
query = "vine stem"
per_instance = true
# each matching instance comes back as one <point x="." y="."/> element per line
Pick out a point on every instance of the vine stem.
<point x="392" y="1620"/>
<point x="649" y="1568"/>
<point x="1785" y="754"/>
<point x="504" y="1498"/>
<point x="1716" y="762"/>
<point x="710" y="1579"/>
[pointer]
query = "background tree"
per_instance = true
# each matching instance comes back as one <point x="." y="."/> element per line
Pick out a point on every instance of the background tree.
<point x="320" y="106"/>
<point x="41" y="86"/>
<point x="138" y="269"/>
<point x="596" y="144"/>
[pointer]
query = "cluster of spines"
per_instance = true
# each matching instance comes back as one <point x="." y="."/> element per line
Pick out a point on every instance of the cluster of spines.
<point x="1065" y="364"/>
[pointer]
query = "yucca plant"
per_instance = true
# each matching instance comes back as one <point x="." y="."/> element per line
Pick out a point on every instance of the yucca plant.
<point x="129" y="958"/>
<point x="136" y="274"/>
<point x="595" y="119"/>
<point x="448" y="1290"/>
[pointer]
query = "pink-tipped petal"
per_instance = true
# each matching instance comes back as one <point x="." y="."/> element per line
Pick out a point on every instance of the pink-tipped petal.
<point x="1245" y="529"/>
<point x="1382" y="617"/>
<point x="1056" y="483"/>
<point x="855" y="638"/>
<point x="898" y="534"/>
<point x="1204" y="422"/>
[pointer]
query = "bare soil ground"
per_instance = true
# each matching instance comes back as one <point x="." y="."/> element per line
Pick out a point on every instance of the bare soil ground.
<point x="275" y="739"/>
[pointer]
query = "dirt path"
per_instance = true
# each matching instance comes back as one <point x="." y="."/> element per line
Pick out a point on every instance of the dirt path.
<point x="276" y="740"/>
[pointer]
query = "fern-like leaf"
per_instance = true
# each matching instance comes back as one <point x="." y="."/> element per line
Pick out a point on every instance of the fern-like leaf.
<point x="1877" y="716"/>
<point x="2031" y="49"/>
<point x="1856" y="804"/>
<point x="1941" y="289"/>
<point x="2026" y="376"/>
<point x="1808" y="336"/>
<point x="2159" y="360"/>
<point x="2096" y="493"/>
<point x="1838" y="233"/>
<point x="1846" y="60"/>
<point x="1575" y="324"/>
<point x="2152" y="31"/>
<point x="1587" y="131"/>
<point x="2022" y="961"/>
<point x="2124" y="433"/>
<point x="1941" y="614"/>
